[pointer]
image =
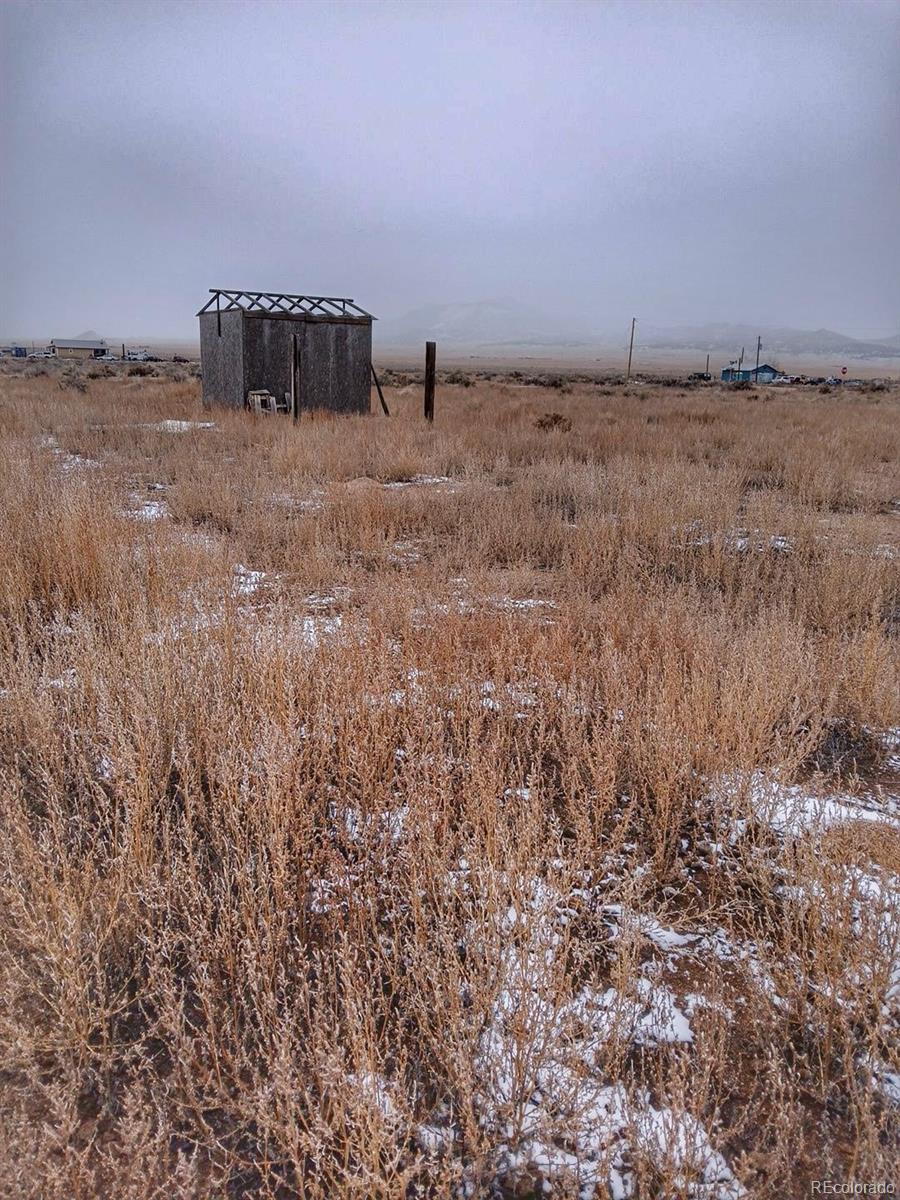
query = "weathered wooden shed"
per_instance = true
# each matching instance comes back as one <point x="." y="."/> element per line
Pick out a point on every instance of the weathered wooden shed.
<point x="308" y="352"/>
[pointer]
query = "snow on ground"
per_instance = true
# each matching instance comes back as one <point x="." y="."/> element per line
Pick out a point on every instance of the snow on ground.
<point x="405" y="554"/>
<point x="738" y="540"/>
<point x="172" y="426"/>
<point x="890" y="740"/>
<point x="436" y="481"/>
<point x="551" y="1116"/>
<point x="887" y="1081"/>
<point x="76" y="462"/>
<point x="314" y="501"/>
<point x="874" y="909"/>
<point x="270" y="628"/>
<point x="523" y="604"/>
<point x="67" y="461"/>
<point x="246" y="581"/>
<point x="538" y="1065"/>
<point x="757" y="540"/>
<point x="794" y="809"/>
<point x="327" y="600"/>
<point x="150" y="510"/>
<point x="359" y="826"/>
<point x="866" y="896"/>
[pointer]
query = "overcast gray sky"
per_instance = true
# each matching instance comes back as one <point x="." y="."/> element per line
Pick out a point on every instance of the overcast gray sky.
<point x="687" y="162"/>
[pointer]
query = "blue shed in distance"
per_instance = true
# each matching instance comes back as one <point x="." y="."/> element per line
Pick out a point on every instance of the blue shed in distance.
<point x="764" y="374"/>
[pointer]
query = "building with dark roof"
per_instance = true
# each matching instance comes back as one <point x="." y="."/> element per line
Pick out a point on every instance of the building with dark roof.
<point x="77" y="348"/>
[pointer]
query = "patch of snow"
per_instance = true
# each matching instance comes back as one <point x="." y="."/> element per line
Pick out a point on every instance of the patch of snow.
<point x="150" y="510"/>
<point x="405" y="554"/>
<point x="172" y="426"/>
<point x="76" y="462"/>
<point x="651" y="1018"/>
<point x="442" y="481"/>
<point x="738" y="540"/>
<point x="757" y="540"/>
<point x="246" y="581"/>
<point x="888" y="1082"/>
<point x="793" y="810"/>
<point x="375" y="1092"/>
<point x="338" y="595"/>
<point x="526" y="604"/>
<point x="311" y="630"/>
<point x="314" y="501"/>
<point x="67" y="462"/>
<point x="519" y="793"/>
<point x="890" y="740"/>
<point x="67" y="679"/>
<point x="665" y="939"/>
<point x="358" y="825"/>
<point x="539" y="1064"/>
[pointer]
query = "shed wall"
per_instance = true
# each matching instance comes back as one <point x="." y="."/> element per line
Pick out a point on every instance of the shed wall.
<point x="335" y="366"/>
<point x="334" y="361"/>
<point x="221" y="359"/>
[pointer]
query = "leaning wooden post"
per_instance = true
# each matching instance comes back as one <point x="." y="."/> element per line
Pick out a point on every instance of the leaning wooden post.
<point x="384" y="406"/>
<point x="430" y="356"/>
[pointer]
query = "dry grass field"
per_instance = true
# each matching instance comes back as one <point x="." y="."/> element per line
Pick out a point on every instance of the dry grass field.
<point x="506" y="808"/>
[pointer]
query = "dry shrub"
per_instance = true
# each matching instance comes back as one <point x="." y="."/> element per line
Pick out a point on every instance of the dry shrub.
<point x="365" y="875"/>
<point x="553" y="421"/>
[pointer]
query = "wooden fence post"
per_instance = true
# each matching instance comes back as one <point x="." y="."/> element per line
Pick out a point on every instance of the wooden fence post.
<point x="430" y="356"/>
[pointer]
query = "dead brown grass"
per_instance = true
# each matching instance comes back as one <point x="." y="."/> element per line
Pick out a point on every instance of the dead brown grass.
<point x="312" y="881"/>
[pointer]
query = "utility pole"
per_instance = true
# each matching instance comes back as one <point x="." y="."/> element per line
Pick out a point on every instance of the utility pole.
<point x="707" y="364"/>
<point x="758" y="347"/>
<point x="630" y="349"/>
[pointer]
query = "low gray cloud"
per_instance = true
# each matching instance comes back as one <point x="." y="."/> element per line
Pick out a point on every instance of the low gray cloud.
<point x="685" y="162"/>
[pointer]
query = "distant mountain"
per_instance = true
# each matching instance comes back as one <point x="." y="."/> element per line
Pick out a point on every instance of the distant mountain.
<point x="479" y="323"/>
<point x="498" y="324"/>
<point x="775" y="340"/>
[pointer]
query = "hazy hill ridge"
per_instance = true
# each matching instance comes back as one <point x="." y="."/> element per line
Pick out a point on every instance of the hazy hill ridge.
<point x="508" y="322"/>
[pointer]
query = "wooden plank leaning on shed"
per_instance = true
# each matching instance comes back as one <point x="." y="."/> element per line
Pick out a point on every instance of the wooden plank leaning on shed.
<point x="380" y="392"/>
